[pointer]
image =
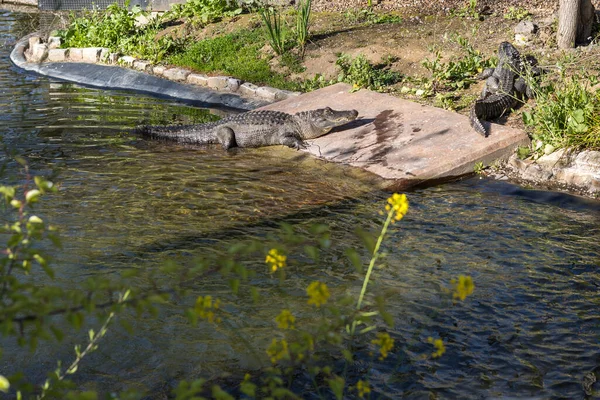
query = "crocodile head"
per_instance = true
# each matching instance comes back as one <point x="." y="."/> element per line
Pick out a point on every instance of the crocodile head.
<point x="323" y="120"/>
<point x="507" y="53"/>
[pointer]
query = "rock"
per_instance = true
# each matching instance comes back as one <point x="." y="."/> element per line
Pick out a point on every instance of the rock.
<point x="267" y="93"/>
<point x="176" y="74"/>
<point x="217" y="82"/>
<point x="144" y="66"/>
<point x="33" y="41"/>
<point x="75" y="54"/>
<point x="58" y="55"/>
<point x="248" y="89"/>
<point x="127" y="60"/>
<point x="39" y="52"/>
<point x="54" y="42"/>
<point x="526" y="28"/>
<point x="233" y="84"/>
<point x="91" y="54"/>
<point x="159" y="70"/>
<point x="198" y="79"/>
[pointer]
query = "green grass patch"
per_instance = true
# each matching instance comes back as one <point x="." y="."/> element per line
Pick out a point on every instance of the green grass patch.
<point x="567" y="114"/>
<point x="236" y="54"/>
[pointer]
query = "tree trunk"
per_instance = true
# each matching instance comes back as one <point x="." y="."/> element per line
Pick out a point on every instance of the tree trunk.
<point x="568" y="16"/>
<point x="575" y="21"/>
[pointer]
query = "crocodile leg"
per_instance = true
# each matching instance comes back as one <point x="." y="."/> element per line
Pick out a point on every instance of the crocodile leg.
<point x="292" y="140"/>
<point x="226" y="137"/>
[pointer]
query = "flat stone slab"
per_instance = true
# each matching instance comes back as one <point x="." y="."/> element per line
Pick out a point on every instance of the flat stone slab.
<point x="399" y="140"/>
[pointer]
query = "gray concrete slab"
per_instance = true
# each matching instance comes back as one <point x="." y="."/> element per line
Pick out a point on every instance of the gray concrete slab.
<point x="399" y="140"/>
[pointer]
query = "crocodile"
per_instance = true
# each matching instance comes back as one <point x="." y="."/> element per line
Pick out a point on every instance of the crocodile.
<point x="504" y="87"/>
<point x="256" y="128"/>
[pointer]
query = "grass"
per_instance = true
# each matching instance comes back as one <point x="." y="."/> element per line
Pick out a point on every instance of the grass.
<point x="237" y="54"/>
<point x="566" y="115"/>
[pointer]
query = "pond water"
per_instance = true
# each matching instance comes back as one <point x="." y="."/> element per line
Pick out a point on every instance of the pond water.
<point x="531" y="328"/>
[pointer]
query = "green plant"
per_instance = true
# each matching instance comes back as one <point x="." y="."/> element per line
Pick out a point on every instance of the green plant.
<point x="303" y="24"/>
<point x="237" y="54"/>
<point x="479" y="167"/>
<point x="115" y="28"/>
<point x="456" y="74"/>
<point x="368" y="17"/>
<point x="202" y="12"/>
<point x="566" y="114"/>
<point x="516" y="13"/>
<point x="467" y="11"/>
<point x="360" y="73"/>
<point x="275" y="28"/>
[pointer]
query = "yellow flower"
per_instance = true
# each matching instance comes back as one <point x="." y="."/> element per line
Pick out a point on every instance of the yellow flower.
<point x="385" y="343"/>
<point x="205" y="308"/>
<point x="399" y="204"/>
<point x="318" y="293"/>
<point x="439" y="346"/>
<point x="463" y="287"/>
<point x="275" y="260"/>
<point x="285" y="320"/>
<point x="362" y="387"/>
<point x="278" y="350"/>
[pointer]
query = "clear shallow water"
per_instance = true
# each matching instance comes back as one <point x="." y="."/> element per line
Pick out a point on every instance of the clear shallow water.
<point x="531" y="329"/>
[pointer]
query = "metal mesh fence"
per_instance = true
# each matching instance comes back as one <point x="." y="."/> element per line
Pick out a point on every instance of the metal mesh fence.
<point x="57" y="5"/>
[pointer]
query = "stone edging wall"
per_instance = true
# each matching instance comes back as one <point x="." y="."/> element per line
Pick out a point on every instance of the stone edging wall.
<point x="38" y="52"/>
<point x="577" y="172"/>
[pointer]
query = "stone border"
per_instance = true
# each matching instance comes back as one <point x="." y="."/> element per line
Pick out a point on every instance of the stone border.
<point x="576" y="172"/>
<point x="36" y="51"/>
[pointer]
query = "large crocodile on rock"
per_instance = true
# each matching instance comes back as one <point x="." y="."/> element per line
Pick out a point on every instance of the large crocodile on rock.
<point x="257" y="128"/>
<point x="505" y="86"/>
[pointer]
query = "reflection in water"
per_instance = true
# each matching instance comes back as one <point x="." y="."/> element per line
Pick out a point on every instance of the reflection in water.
<point x="530" y="329"/>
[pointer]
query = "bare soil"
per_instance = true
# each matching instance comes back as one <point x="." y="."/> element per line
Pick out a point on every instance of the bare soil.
<point x="413" y="40"/>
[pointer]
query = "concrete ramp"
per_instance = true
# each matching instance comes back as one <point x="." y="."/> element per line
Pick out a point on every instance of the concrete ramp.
<point x="405" y="142"/>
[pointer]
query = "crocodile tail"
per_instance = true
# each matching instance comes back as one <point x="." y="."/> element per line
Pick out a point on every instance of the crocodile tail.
<point x="475" y="122"/>
<point x="179" y="133"/>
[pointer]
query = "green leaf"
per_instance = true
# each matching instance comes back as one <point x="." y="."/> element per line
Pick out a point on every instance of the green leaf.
<point x="312" y="252"/>
<point x="527" y="118"/>
<point x="336" y="385"/>
<point x="367" y="238"/>
<point x="354" y="258"/>
<point x="4" y="384"/>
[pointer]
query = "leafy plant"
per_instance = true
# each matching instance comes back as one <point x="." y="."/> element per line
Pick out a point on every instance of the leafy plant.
<point x="275" y="28"/>
<point x="202" y="12"/>
<point x="303" y="24"/>
<point x="566" y="114"/>
<point x="360" y="73"/>
<point x="115" y="28"/>
<point x="368" y="17"/>
<point x="468" y="11"/>
<point x="456" y="74"/>
<point x="516" y="13"/>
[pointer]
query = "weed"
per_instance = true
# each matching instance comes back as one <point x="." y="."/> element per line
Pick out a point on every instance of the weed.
<point x="468" y="11"/>
<point x="360" y="73"/>
<point x="479" y="168"/>
<point x="566" y="115"/>
<point x="458" y="74"/>
<point x="303" y="24"/>
<point x="366" y="16"/>
<point x="202" y="12"/>
<point x="275" y="28"/>
<point x="517" y="14"/>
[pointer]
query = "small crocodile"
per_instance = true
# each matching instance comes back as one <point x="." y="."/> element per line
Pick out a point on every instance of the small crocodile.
<point x="257" y="128"/>
<point x="504" y="87"/>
